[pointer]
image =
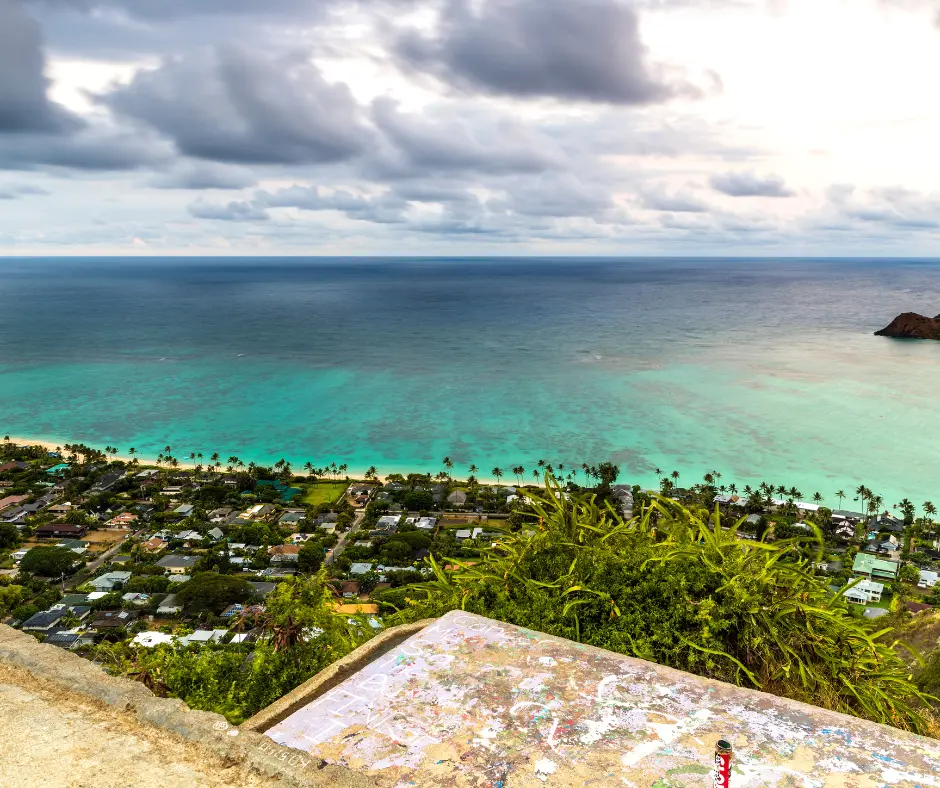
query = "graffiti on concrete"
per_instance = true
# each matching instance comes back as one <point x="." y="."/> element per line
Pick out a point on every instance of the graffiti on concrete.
<point x="473" y="702"/>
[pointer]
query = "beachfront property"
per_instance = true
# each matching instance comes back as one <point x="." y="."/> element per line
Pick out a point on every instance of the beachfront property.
<point x="872" y="567"/>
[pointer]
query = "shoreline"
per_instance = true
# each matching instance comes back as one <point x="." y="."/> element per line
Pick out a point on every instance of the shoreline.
<point x="52" y="445"/>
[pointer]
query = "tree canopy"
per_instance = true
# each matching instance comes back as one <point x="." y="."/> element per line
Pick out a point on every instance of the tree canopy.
<point x="213" y="592"/>
<point x="48" y="561"/>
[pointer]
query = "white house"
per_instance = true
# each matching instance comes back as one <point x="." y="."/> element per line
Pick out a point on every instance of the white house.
<point x="927" y="579"/>
<point x="109" y="581"/>
<point x="864" y="592"/>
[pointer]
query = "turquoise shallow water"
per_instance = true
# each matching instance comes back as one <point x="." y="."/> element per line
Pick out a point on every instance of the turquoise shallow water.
<point x="763" y="370"/>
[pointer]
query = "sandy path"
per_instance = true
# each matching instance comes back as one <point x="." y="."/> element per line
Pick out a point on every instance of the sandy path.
<point x="56" y="739"/>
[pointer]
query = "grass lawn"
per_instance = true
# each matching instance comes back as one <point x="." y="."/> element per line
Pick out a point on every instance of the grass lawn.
<point x="324" y="492"/>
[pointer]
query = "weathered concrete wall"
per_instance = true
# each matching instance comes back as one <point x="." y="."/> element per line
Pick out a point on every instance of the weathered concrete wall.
<point x="469" y="701"/>
<point x="197" y="730"/>
<point x="464" y="702"/>
<point x="334" y="674"/>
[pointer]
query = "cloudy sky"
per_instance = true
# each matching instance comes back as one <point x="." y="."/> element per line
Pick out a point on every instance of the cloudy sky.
<point x="469" y="127"/>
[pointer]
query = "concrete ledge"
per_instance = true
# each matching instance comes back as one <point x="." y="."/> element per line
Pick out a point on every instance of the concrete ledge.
<point x="334" y="674"/>
<point x="246" y="748"/>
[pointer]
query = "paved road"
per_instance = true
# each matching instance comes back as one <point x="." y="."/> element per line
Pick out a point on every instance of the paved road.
<point x="83" y="574"/>
<point x="337" y="551"/>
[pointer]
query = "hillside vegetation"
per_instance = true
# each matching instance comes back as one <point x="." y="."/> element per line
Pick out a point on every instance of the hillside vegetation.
<point x="676" y="587"/>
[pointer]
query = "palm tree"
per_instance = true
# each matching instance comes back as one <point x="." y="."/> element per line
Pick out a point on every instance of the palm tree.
<point x="498" y="473"/>
<point x="342" y="469"/>
<point x="840" y="494"/>
<point x="675" y="476"/>
<point x="535" y="474"/>
<point x="192" y="458"/>
<point x="448" y="463"/>
<point x="473" y="470"/>
<point x="371" y="473"/>
<point x="929" y="511"/>
<point x="817" y="498"/>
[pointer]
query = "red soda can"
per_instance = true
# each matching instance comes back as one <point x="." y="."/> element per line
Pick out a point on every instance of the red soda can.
<point x="722" y="764"/>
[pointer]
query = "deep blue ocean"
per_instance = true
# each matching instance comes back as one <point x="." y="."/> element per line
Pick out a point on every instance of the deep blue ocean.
<point x="761" y="369"/>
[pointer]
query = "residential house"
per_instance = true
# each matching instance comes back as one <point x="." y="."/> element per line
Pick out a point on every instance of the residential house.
<point x="19" y="555"/>
<point x="61" y="509"/>
<point x="12" y="500"/>
<point x="177" y="564"/>
<point x="136" y="598"/>
<point x="108" y="481"/>
<point x="262" y="589"/>
<point x="66" y="640"/>
<point x="189" y="536"/>
<point x="349" y="589"/>
<point x="386" y="525"/>
<point x="360" y="569"/>
<point x="46" y="621"/>
<point x="184" y="510"/>
<point x="145" y="510"/>
<point x="623" y="495"/>
<point x="219" y="515"/>
<point x="177" y="579"/>
<point x="845" y="532"/>
<point x="846" y="516"/>
<point x="426" y="523"/>
<point x="299" y="538"/>
<point x="113" y="619"/>
<point x="457" y="498"/>
<point x="72" y="600"/>
<point x="865" y="591"/>
<point x="121" y="559"/>
<point x="169" y="606"/>
<point x="123" y="520"/>
<point x="15" y="516"/>
<point x="216" y="534"/>
<point x="880" y="546"/>
<point x="109" y="581"/>
<point x="889" y="523"/>
<point x="75" y="545"/>
<point x="202" y="636"/>
<point x="292" y="517"/>
<point x="928" y="579"/>
<point x="917" y="607"/>
<point x="155" y="544"/>
<point x="284" y="553"/>
<point x="873" y="567"/>
<point x="462" y="534"/>
<point x="60" y="530"/>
